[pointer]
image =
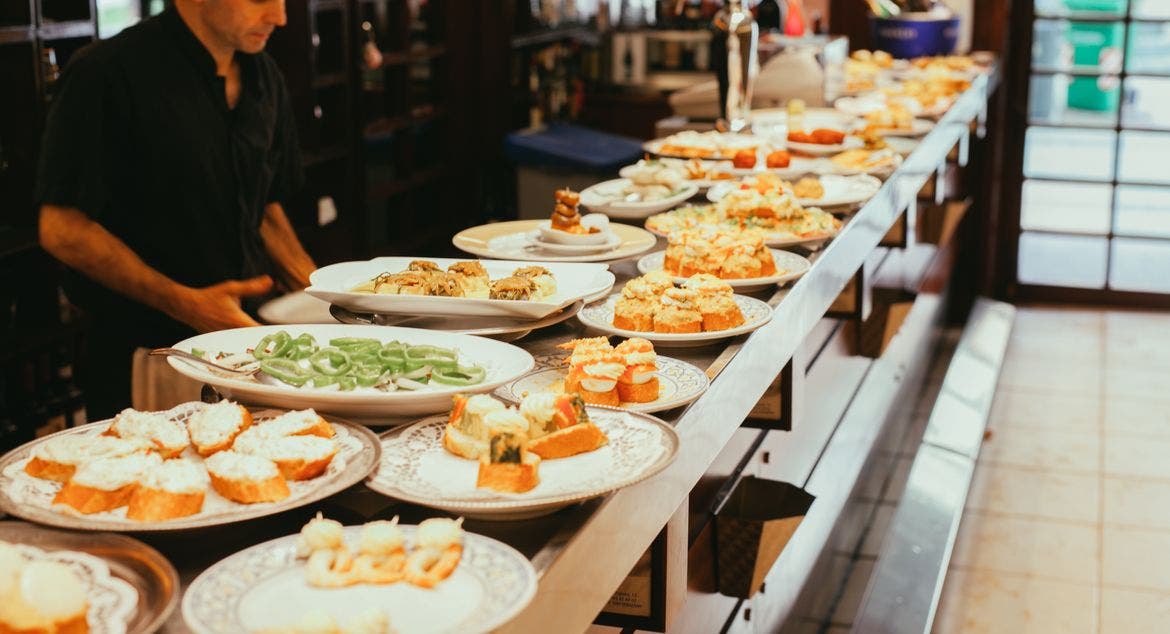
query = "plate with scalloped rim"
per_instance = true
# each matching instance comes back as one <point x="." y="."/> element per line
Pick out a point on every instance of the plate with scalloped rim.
<point x="599" y="316"/>
<point x="263" y="589"/>
<point x="416" y="468"/>
<point x="679" y="383"/>
<point x="789" y="266"/>
<point x="31" y="498"/>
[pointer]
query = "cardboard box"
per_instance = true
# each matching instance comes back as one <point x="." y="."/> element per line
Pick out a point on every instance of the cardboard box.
<point x="751" y="530"/>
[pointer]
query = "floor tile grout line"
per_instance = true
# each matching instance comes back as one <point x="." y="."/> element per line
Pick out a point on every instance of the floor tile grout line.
<point x="1025" y="575"/>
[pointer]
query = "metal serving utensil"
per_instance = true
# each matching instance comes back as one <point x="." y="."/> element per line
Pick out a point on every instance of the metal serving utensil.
<point x="187" y="356"/>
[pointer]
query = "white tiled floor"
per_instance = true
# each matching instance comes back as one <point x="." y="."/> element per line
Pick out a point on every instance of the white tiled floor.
<point x="1067" y="525"/>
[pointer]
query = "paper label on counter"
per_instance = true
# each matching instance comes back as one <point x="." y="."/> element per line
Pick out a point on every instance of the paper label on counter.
<point x="632" y="597"/>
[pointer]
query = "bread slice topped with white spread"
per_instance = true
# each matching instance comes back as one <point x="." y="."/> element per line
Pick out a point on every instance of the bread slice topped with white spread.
<point x="215" y="427"/>
<point x="58" y="458"/>
<point x="176" y="488"/>
<point x="169" y="437"/>
<point x="246" y="478"/>
<point x="40" y="595"/>
<point x="106" y="483"/>
<point x="297" y="457"/>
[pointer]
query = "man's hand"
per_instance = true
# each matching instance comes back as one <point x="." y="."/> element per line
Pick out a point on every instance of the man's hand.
<point x="217" y="307"/>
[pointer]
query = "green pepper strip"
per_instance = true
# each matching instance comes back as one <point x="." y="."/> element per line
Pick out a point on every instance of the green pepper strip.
<point x="462" y="375"/>
<point x="286" y="370"/>
<point x="367" y="375"/>
<point x="347" y="342"/>
<point x="346" y="383"/>
<point x="331" y="362"/>
<point x="278" y="340"/>
<point x="302" y="347"/>
<point x="321" y="380"/>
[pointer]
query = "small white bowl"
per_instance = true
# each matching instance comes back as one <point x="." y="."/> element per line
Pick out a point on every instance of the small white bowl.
<point x="556" y="236"/>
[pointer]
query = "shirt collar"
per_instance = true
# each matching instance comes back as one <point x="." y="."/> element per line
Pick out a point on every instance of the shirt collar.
<point x="186" y="40"/>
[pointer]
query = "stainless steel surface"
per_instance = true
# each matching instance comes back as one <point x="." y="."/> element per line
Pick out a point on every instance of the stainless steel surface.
<point x="583" y="553"/>
<point x="903" y="591"/>
<point x="187" y="356"/>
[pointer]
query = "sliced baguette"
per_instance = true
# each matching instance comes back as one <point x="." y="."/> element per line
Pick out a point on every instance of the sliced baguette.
<point x="169" y="437"/>
<point x="215" y="427"/>
<point x="58" y="458"/>
<point x="509" y="477"/>
<point x="246" y="478"/>
<point x="176" y="488"/>
<point x="297" y="457"/>
<point x="298" y="423"/>
<point x="107" y="483"/>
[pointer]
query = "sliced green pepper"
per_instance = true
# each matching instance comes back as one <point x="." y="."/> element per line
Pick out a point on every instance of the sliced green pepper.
<point x="462" y="375"/>
<point x="419" y="356"/>
<point x="330" y="361"/>
<point x="286" y="370"/>
<point x="279" y="342"/>
<point x="302" y="347"/>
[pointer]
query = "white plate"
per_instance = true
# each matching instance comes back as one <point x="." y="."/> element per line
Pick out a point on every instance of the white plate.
<point x="874" y="101"/>
<point x="679" y="383"/>
<point x="296" y="308"/>
<point x="609" y="243"/>
<point x="504" y="363"/>
<point x="823" y="149"/>
<point x="709" y="165"/>
<point x="773" y="239"/>
<point x="606" y="198"/>
<point x="498" y="328"/>
<point x="797" y="166"/>
<point x="513" y="241"/>
<point x="839" y="191"/>
<point x="333" y="283"/>
<point x="772" y="123"/>
<point x="591" y="221"/>
<point x="792" y="265"/>
<point x="416" y="468"/>
<point x="918" y="127"/>
<point x="725" y="143"/>
<point x="32" y="498"/>
<point x="599" y="317"/>
<point x="264" y="587"/>
<point x="881" y="171"/>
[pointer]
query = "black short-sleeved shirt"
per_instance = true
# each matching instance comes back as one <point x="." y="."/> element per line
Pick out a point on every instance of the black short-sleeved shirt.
<point x="140" y="137"/>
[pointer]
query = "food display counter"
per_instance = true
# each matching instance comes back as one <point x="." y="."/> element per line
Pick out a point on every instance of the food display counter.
<point x="583" y="554"/>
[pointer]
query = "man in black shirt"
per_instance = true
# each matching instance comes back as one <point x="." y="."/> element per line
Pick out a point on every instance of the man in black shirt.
<point x="168" y="152"/>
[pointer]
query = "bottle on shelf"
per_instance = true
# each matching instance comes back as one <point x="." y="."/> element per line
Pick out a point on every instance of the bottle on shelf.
<point x="735" y="55"/>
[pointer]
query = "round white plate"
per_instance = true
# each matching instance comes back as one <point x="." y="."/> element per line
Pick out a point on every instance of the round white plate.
<point x="789" y="266"/>
<point x="32" y="498"/>
<point x="881" y="171"/>
<point x="874" y="101"/>
<point x="263" y="588"/>
<point x="498" y="328"/>
<point x="720" y="145"/>
<point x="679" y="383"/>
<point x="797" y="166"/>
<point x="599" y="317"/>
<point x="773" y="122"/>
<point x="513" y="241"/>
<point x="606" y="198"/>
<point x="902" y="145"/>
<point x="610" y="243"/>
<point x="416" y="468"/>
<point x="296" y="308"/>
<point x="333" y="283"/>
<point x="773" y="239"/>
<point x="918" y="127"/>
<point x="702" y="183"/>
<point x="504" y="363"/>
<point x="821" y="149"/>
<point x="839" y="191"/>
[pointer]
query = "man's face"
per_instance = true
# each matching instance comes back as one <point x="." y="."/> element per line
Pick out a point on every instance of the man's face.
<point x="244" y="25"/>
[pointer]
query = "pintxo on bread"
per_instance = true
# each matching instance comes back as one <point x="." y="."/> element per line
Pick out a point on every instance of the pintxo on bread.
<point x="652" y="303"/>
<point x="40" y="595"/>
<point x="160" y="469"/>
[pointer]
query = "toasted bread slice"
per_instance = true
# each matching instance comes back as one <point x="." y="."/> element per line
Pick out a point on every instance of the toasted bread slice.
<point x="169" y="437"/>
<point x="298" y="423"/>
<point x="107" y="483"/>
<point x="463" y="445"/>
<point x="215" y="427"/>
<point x="297" y="457"/>
<point x="176" y="488"/>
<point x="509" y="477"/>
<point x="46" y="597"/>
<point x="58" y="458"/>
<point x="569" y="441"/>
<point x="630" y="392"/>
<point x="245" y="478"/>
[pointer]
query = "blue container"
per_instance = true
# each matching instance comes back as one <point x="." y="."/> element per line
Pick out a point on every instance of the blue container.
<point x="915" y="34"/>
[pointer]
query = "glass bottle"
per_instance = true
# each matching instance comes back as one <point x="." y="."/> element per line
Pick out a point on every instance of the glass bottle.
<point x="736" y="59"/>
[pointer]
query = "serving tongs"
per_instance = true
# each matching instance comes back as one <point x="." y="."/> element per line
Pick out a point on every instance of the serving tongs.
<point x="243" y="371"/>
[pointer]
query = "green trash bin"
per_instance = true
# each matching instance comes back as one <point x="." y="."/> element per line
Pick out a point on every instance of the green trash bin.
<point x="1096" y="44"/>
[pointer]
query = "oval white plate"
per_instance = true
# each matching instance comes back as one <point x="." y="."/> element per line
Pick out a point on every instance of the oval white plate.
<point x="599" y="317"/>
<point x="777" y="239"/>
<point x="416" y="468"/>
<point x="821" y="149"/>
<point x="839" y="190"/>
<point x="264" y="588"/>
<point x="32" y="498"/>
<point x="679" y="383"/>
<point x="504" y="363"/>
<point x="513" y="241"/>
<point x="609" y="243"/>
<point x="727" y="143"/>
<point x="606" y="198"/>
<point x="498" y="328"/>
<point x="333" y="283"/>
<point x="792" y="265"/>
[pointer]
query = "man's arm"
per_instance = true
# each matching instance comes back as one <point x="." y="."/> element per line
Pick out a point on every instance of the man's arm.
<point x="293" y="264"/>
<point x="86" y="246"/>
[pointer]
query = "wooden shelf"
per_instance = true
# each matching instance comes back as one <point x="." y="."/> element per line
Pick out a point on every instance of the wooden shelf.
<point x="66" y="30"/>
<point x="16" y="34"/>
